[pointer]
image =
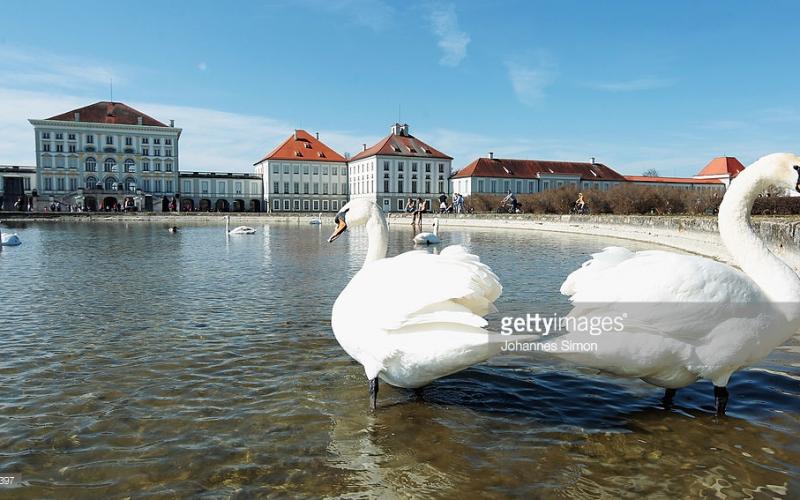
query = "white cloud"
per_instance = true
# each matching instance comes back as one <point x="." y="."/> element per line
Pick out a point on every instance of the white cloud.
<point x="647" y="83"/>
<point x="202" y="66"/>
<point x="530" y="76"/>
<point x="451" y="39"/>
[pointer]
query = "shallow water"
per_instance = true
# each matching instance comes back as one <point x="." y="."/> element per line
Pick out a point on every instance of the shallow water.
<point x="142" y="362"/>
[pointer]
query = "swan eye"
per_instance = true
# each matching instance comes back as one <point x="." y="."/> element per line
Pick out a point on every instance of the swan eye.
<point x="797" y="167"/>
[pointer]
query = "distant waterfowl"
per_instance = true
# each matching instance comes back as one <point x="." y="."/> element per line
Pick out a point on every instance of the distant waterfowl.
<point x="237" y="230"/>
<point x="317" y="220"/>
<point x="704" y="319"/>
<point x="429" y="238"/>
<point x="10" y="240"/>
<point x="173" y="229"/>
<point x="412" y="318"/>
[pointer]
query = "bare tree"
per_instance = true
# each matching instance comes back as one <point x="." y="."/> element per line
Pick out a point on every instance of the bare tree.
<point x="651" y="172"/>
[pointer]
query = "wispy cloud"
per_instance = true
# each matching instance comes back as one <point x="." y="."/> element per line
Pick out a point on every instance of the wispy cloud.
<point x="635" y="85"/>
<point x="452" y="40"/>
<point x="530" y="76"/>
<point x="30" y="68"/>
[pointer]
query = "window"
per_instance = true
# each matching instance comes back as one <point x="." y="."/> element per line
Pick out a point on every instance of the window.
<point x="187" y="186"/>
<point x="285" y="188"/>
<point x="296" y="188"/>
<point x="27" y="183"/>
<point x="145" y="140"/>
<point x="156" y="141"/>
<point x="169" y="166"/>
<point x="59" y="136"/>
<point x="146" y="185"/>
<point x="305" y="188"/>
<point x="494" y="186"/>
<point x="275" y="168"/>
<point x="72" y="148"/>
<point x="334" y="171"/>
<point x="109" y="140"/>
<point x="297" y="205"/>
<point x="158" y="186"/>
<point x="400" y="185"/>
<point x="48" y="183"/>
<point x="286" y="168"/>
<point x="146" y="151"/>
<point x="89" y="139"/>
<point x="414" y="184"/>
<point x="545" y="186"/>
<point x="168" y="152"/>
<point x="276" y="204"/>
<point x="168" y="142"/>
<point x="316" y="188"/>
<point x="220" y="188"/>
<point x="156" y="151"/>
<point x="237" y="187"/>
<point x="60" y="184"/>
<point x="334" y="188"/>
<point x="157" y="166"/>
<point x="335" y="205"/>
<point x="324" y="170"/>
<point x="59" y="162"/>
<point x="297" y="169"/>
<point x="427" y="168"/>
<point x="90" y="165"/>
<point x="45" y="147"/>
<point x="324" y="188"/>
<point x="109" y="165"/>
<point x="315" y="205"/>
<point x="306" y="205"/>
<point x="316" y="169"/>
<point x="480" y="186"/>
<point x="385" y="183"/>
<point x="145" y="166"/>
<point x="71" y="137"/>
<point x="399" y="166"/>
<point x="130" y="166"/>
<point x="168" y="185"/>
<point x="204" y="187"/>
<point x="275" y="187"/>
<point x="91" y="182"/>
<point x="344" y="188"/>
<point x="305" y="169"/>
<point x="530" y="186"/>
<point x="400" y="204"/>
<point x="441" y="168"/>
<point x="325" y="205"/>
<point x="286" y="204"/>
<point x="59" y="148"/>
<point x="46" y="135"/>
<point x="427" y="186"/>
<point x="414" y="166"/>
<point x="128" y="141"/>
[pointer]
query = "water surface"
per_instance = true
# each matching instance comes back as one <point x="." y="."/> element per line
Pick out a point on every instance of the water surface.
<point x="140" y="362"/>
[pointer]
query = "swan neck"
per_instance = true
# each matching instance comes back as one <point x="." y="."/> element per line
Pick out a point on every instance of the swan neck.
<point x="377" y="235"/>
<point x="775" y="278"/>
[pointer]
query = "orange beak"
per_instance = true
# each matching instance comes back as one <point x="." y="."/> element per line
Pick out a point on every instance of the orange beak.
<point x="341" y="226"/>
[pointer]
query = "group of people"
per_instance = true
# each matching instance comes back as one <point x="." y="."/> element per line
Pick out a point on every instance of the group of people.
<point x="416" y="208"/>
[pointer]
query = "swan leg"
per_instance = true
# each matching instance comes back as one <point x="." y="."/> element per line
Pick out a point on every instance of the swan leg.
<point x="373" y="393"/>
<point x="720" y="399"/>
<point x="669" y="395"/>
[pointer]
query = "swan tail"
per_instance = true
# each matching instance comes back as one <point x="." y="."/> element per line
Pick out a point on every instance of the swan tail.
<point x="592" y="268"/>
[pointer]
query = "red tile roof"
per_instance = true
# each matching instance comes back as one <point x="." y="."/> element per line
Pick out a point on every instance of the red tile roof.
<point x="727" y="166"/>
<point x="401" y="145"/>
<point x="675" y="180"/>
<point x="108" y="112"/>
<point x="302" y="146"/>
<point x="531" y="169"/>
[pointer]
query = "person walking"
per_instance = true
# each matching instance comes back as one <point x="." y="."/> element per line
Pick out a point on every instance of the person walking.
<point x="419" y="211"/>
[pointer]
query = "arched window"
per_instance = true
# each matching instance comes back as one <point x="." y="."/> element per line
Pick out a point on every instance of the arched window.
<point x="130" y="166"/>
<point x="110" y="165"/>
<point x="90" y="164"/>
<point x="110" y="183"/>
<point x="130" y="184"/>
<point x="91" y="182"/>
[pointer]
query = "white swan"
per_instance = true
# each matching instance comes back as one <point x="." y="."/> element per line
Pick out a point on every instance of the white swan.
<point x="701" y="318"/>
<point x="412" y="318"/>
<point x="429" y="238"/>
<point x="10" y="240"/>
<point x="318" y="220"/>
<point x="237" y="230"/>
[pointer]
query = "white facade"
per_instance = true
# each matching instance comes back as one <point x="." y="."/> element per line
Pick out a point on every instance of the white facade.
<point x="111" y="159"/>
<point x="213" y="191"/>
<point x="303" y="186"/>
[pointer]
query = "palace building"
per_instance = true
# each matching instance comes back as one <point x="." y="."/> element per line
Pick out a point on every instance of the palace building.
<point x="303" y="174"/>
<point x="220" y="192"/>
<point x="399" y="166"/>
<point x="104" y="154"/>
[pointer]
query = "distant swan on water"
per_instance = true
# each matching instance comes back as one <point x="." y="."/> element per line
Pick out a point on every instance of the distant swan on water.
<point x="429" y="238"/>
<point x="237" y="230"/>
<point x="10" y="240"/>
<point x="412" y="318"/>
<point x="701" y="318"/>
<point x="318" y="219"/>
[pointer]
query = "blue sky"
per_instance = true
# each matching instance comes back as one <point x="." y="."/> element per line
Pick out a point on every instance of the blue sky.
<point x="635" y="84"/>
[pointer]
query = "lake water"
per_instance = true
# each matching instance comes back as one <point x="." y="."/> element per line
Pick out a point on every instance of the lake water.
<point x="140" y="362"/>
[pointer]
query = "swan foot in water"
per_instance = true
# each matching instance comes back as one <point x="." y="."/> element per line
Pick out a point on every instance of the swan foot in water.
<point x="669" y="395"/>
<point x="373" y="393"/>
<point x="720" y="399"/>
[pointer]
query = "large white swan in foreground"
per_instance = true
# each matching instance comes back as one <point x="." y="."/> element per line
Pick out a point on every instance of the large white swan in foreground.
<point x="690" y="317"/>
<point x="429" y="238"/>
<point x="237" y="230"/>
<point x="412" y="318"/>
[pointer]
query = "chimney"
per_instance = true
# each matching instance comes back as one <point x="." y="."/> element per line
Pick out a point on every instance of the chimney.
<point x="491" y="155"/>
<point x="396" y="129"/>
<point x="295" y="134"/>
<point x="138" y="120"/>
<point x="363" y="147"/>
<point x="77" y="117"/>
<point x="172" y="123"/>
<point x="404" y="129"/>
<point x="317" y="134"/>
<point x="593" y="162"/>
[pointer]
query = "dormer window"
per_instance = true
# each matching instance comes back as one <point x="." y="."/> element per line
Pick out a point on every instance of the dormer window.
<point x="507" y="170"/>
<point x="308" y="145"/>
<point x="298" y="153"/>
<point x="321" y="154"/>
<point x="411" y="150"/>
<point x="396" y="148"/>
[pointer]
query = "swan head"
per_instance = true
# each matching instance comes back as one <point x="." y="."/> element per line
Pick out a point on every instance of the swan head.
<point x="354" y="213"/>
<point x="780" y="169"/>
